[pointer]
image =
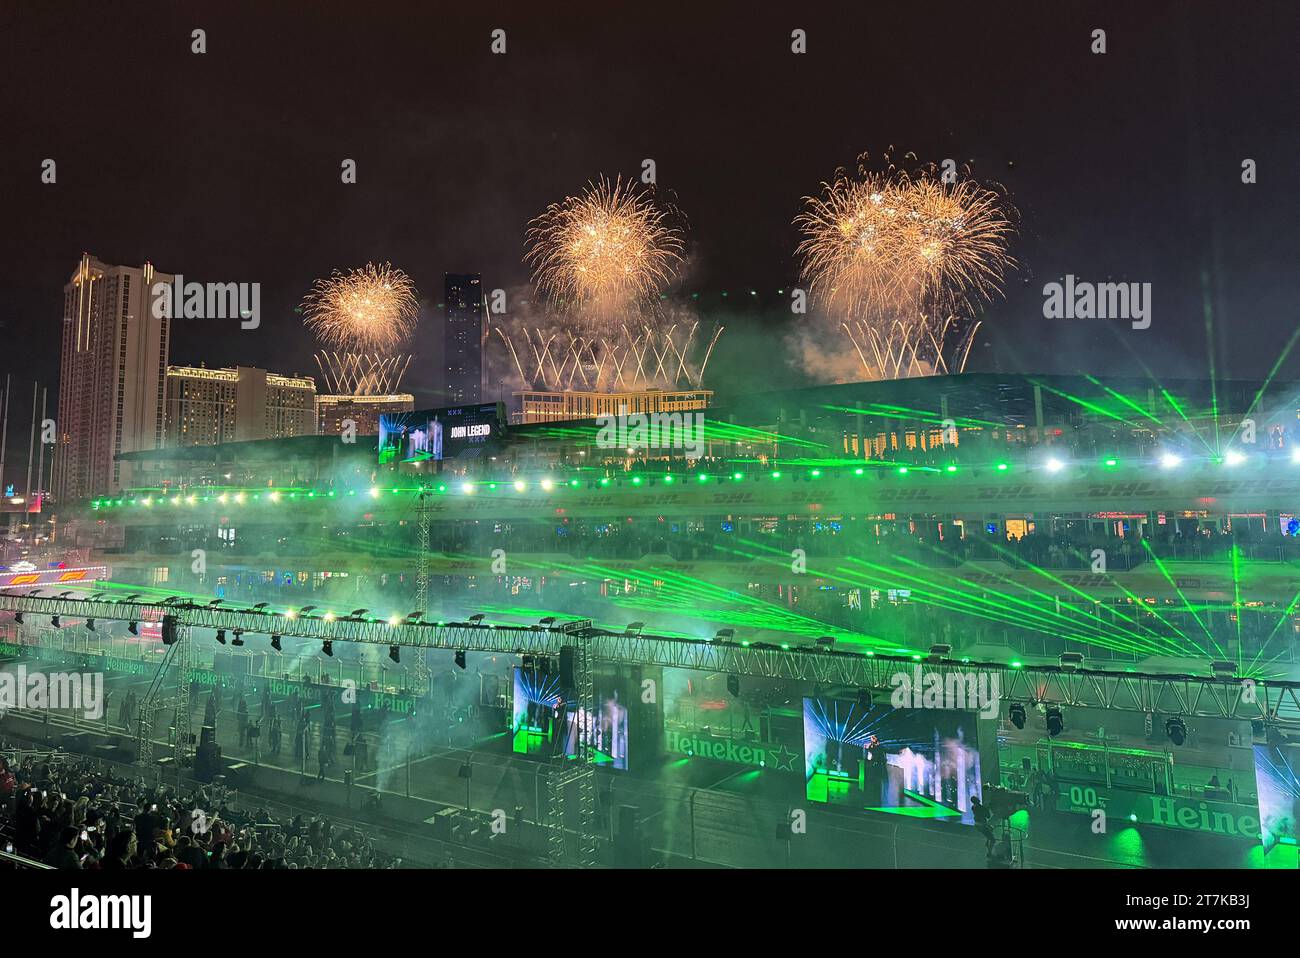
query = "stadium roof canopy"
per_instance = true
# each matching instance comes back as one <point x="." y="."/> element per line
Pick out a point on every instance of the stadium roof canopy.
<point x="1002" y="398"/>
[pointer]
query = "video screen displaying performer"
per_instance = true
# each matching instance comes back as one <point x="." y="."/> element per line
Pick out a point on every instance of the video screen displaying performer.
<point x="537" y="711"/>
<point x="410" y="436"/>
<point x="1277" y="779"/>
<point x="923" y="763"/>
<point x="543" y="722"/>
<point x="605" y="733"/>
<point x="435" y="434"/>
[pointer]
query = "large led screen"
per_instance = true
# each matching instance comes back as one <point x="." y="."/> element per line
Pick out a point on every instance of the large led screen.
<point x="1277" y="779"/>
<point x="438" y="433"/>
<point x="923" y="763"/>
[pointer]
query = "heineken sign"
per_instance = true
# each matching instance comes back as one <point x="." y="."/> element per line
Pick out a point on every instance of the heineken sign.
<point x="84" y="661"/>
<point x="1217" y="818"/>
<point x="757" y="754"/>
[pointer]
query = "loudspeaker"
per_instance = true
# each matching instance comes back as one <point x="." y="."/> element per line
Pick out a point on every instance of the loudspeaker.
<point x="444" y="824"/>
<point x="627" y="822"/>
<point x="567" y="655"/>
<point x="629" y="842"/>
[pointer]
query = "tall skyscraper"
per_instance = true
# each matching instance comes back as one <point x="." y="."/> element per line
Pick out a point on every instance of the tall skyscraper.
<point x="111" y="377"/>
<point x="463" y="296"/>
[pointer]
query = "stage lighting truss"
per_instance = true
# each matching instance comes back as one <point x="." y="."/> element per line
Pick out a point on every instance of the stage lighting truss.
<point x="1188" y="696"/>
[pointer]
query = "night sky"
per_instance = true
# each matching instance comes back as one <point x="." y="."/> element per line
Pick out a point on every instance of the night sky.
<point x="225" y="166"/>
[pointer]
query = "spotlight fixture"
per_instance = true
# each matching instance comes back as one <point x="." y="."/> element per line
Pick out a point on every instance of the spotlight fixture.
<point x="1176" y="729"/>
<point x="133" y="628"/>
<point x="1071" y="661"/>
<point x="394" y="653"/>
<point x="357" y="613"/>
<point x="826" y="641"/>
<point x="939" y="652"/>
<point x="54" y="621"/>
<point x="1017" y="714"/>
<point x="547" y="622"/>
<point x="633" y="629"/>
<point x="260" y="607"/>
<point x="724" y="635"/>
<point x="476" y="618"/>
<point x="864" y="698"/>
<point x="460" y="658"/>
<point x="733" y="684"/>
<point x="1055" y="721"/>
<point x="18" y="617"/>
<point x="275" y="643"/>
<point x="327" y="647"/>
<point x="221" y="636"/>
<point x="1054" y="465"/>
<point x="306" y="608"/>
<point x="215" y="602"/>
<point x="1223" y="670"/>
<point x="238" y="639"/>
<point x="577" y="626"/>
<point x="90" y="625"/>
<point x="1234" y="458"/>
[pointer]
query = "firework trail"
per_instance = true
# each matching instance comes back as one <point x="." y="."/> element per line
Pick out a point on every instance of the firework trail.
<point x="603" y="254"/>
<point x="633" y="357"/>
<point x="902" y="259"/>
<point x="602" y="261"/>
<point x="372" y="309"/>
<point x="362" y="374"/>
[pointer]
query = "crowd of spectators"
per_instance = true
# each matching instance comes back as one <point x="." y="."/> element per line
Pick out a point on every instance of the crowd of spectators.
<point x="71" y="814"/>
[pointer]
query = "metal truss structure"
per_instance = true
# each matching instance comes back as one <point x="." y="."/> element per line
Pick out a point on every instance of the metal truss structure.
<point x="419" y="670"/>
<point x="1219" y="697"/>
<point x="576" y="771"/>
<point x="1188" y="695"/>
<point x="173" y="671"/>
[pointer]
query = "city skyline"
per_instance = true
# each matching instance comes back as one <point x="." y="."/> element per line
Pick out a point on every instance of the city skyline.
<point x="1178" y="189"/>
<point x="650" y="437"/>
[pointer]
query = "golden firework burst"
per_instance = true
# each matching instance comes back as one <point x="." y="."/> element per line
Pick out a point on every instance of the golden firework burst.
<point x="372" y="309"/>
<point x="901" y="246"/>
<point x="604" y="252"/>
